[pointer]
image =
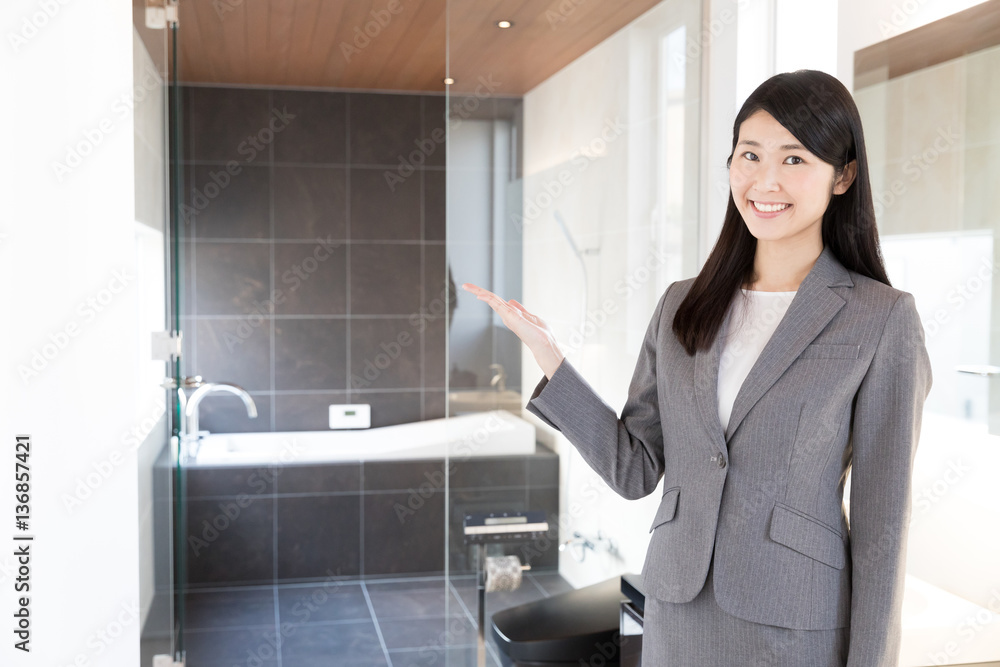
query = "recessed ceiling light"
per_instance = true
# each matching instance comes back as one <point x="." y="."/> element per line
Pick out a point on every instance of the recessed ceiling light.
<point x="504" y="24"/>
<point x="448" y="81"/>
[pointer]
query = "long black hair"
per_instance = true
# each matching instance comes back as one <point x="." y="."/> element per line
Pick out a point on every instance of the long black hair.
<point x="820" y="112"/>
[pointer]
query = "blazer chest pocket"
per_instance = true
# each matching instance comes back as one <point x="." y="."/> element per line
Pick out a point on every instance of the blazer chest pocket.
<point x="825" y="351"/>
<point x="807" y="535"/>
<point x="668" y="507"/>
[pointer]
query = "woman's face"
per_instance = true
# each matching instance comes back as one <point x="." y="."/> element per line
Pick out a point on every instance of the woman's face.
<point x="780" y="188"/>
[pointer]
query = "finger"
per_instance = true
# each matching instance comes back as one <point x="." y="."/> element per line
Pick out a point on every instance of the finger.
<point x="479" y="291"/>
<point x="524" y="311"/>
<point x="517" y="304"/>
<point x="496" y="303"/>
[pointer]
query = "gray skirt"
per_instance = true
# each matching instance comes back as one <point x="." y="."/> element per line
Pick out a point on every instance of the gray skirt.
<point x="700" y="634"/>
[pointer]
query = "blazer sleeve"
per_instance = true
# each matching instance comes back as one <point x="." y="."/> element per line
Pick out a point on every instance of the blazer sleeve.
<point x="884" y="433"/>
<point x="626" y="451"/>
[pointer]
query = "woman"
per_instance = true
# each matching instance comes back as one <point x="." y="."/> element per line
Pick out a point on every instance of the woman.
<point x="786" y="362"/>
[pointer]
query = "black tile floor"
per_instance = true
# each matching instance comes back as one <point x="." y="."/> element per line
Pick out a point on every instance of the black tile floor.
<point x="403" y="622"/>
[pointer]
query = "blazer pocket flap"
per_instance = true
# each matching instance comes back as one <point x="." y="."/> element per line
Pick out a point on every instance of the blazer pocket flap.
<point x="825" y="351"/>
<point x="668" y="507"/>
<point x="808" y="536"/>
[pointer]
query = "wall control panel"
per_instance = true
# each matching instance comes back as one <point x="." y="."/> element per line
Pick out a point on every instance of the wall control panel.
<point x="350" y="416"/>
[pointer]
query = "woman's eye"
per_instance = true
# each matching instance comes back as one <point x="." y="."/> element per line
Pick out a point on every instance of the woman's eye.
<point x="797" y="159"/>
<point x="750" y="156"/>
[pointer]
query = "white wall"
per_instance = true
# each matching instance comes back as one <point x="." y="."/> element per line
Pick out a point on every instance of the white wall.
<point x="67" y="266"/>
<point x="613" y="152"/>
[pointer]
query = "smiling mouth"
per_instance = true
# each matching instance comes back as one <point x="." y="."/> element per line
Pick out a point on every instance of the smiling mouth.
<point x="775" y="207"/>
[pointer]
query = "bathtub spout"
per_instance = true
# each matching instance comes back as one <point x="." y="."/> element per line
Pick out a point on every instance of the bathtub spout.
<point x="193" y="403"/>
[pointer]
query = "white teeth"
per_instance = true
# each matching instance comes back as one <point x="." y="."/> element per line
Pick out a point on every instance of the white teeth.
<point x="770" y="208"/>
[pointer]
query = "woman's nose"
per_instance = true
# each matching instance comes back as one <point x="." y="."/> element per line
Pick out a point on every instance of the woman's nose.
<point x="767" y="178"/>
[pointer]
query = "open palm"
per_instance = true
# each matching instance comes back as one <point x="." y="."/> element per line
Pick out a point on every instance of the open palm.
<point x="531" y="329"/>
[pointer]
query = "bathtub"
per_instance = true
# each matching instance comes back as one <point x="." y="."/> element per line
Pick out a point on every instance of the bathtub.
<point x="493" y="433"/>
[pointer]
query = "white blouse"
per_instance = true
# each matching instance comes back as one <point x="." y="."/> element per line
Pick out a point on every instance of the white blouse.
<point x="754" y="319"/>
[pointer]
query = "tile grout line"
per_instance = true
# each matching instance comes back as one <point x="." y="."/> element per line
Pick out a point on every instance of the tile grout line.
<point x="271" y="322"/>
<point x="378" y="628"/>
<point x="544" y="592"/>
<point x="373" y="166"/>
<point x="461" y="602"/>
<point x="310" y="242"/>
<point x="361" y="522"/>
<point x="318" y="392"/>
<point x="490" y="648"/>
<point x="423" y="271"/>
<point x="273" y="386"/>
<point x="274" y="553"/>
<point x="277" y="622"/>
<point x="347" y="251"/>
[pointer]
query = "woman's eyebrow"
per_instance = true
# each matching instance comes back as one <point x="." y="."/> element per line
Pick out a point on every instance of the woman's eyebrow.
<point x="786" y="147"/>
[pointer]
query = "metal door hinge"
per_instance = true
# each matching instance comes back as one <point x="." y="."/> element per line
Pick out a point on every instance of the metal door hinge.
<point x="166" y="345"/>
<point x="160" y="13"/>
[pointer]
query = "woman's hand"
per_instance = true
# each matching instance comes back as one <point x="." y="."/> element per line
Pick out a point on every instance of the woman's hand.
<point x="531" y="329"/>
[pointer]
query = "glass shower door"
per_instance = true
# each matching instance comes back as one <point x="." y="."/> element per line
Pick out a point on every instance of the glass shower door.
<point x="571" y="188"/>
<point x="156" y="275"/>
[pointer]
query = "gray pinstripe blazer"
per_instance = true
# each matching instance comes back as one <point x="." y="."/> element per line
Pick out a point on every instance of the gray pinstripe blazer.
<point x="840" y="385"/>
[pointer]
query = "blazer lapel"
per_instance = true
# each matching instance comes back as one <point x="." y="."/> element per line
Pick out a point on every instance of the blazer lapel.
<point x="706" y="389"/>
<point x="812" y="308"/>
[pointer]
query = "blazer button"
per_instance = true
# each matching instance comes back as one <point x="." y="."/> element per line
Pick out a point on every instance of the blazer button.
<point x="722" y="461"/>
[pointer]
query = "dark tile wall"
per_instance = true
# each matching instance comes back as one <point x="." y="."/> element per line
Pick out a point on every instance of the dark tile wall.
<point x="314" y="240"/>
<point x="301" y="523"/>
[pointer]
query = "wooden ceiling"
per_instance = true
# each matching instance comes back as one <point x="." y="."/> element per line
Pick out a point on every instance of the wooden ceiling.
<point x="952" y="37"/>
<point x="322" y="43"/>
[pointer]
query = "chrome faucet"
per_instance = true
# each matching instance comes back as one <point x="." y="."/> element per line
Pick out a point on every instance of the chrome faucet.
<point x="499" y="379"/>
<point x="190" y="405"/>
<point x="579" y="545"/>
